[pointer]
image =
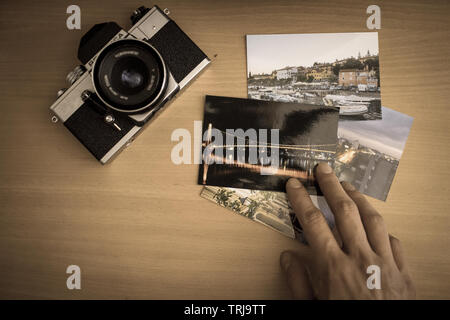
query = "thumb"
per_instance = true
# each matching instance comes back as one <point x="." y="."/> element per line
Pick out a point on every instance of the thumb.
<point x="296" y="275"/>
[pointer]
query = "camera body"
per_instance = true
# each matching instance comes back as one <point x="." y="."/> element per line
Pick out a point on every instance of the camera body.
<point x="125" y="80"/>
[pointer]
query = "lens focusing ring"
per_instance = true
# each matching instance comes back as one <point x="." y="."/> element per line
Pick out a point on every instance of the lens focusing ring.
<point x="129" y="76"/>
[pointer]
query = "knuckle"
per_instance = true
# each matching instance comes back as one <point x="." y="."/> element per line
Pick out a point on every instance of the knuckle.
<point x="312" y="216"/>
<point x="329" y="248"/>
<point x="359" y="197"/>
<point x="346" y="207"/>
<point x="374" y="219"/>
<point x="336" y="262"/>
<point x="349" y="188"/>
<point x="361" y="252"/>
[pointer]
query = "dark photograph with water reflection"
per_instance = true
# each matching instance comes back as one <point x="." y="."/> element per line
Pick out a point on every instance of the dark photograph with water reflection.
<point x="241" y="150"/>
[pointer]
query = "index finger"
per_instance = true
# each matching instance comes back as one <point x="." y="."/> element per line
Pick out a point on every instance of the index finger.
<point x="313" y="223"/>
<point x="348" y="220"/>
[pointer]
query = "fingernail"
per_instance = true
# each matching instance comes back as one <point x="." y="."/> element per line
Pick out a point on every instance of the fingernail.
<point x="348" y="186"/>
<point x="294" y="183"/>
<point x="285" y="260"/>
<point x="324" y="168"/>
<point x="392" y="237"/>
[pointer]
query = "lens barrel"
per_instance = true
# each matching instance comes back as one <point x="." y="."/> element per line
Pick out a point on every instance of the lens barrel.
<point x="129" y="76"/>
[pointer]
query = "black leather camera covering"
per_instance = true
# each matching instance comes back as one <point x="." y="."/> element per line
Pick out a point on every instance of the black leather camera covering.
<point x="179" y="52"/>
<point x="88" y="126"/>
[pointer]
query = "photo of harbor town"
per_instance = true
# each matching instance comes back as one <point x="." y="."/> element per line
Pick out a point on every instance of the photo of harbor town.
<point x="339" y="69"/>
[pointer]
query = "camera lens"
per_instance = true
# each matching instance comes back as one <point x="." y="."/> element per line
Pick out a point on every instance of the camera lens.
<point x="131" y="78"/>
<point x="129" y="75"/>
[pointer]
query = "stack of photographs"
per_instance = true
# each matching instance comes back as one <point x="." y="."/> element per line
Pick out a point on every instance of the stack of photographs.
<point x="239" y="139"/>
<point x="334" y="71"/>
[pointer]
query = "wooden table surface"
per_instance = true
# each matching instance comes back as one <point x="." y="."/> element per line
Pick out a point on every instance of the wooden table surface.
<point x="137" y="227"/>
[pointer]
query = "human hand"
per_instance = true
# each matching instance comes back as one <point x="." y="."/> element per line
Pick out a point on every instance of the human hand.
<point x="334" y="263"/>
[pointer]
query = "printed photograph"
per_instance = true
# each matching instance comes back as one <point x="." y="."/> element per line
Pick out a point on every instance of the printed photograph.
<point x="306" y="135"/>
<point x="369" y="152"/>
<point x="271" y="209"/>
<point x="330" y="69"/>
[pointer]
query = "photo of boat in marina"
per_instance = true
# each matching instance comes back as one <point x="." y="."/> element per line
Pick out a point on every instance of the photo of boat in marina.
<point x="331" y="69"/>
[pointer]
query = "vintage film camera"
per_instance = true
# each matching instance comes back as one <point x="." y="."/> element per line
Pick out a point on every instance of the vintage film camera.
<point x="125" y="79"/>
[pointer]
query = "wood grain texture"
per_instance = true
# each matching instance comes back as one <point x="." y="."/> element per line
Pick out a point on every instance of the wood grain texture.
<point x="137" y="227"/>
